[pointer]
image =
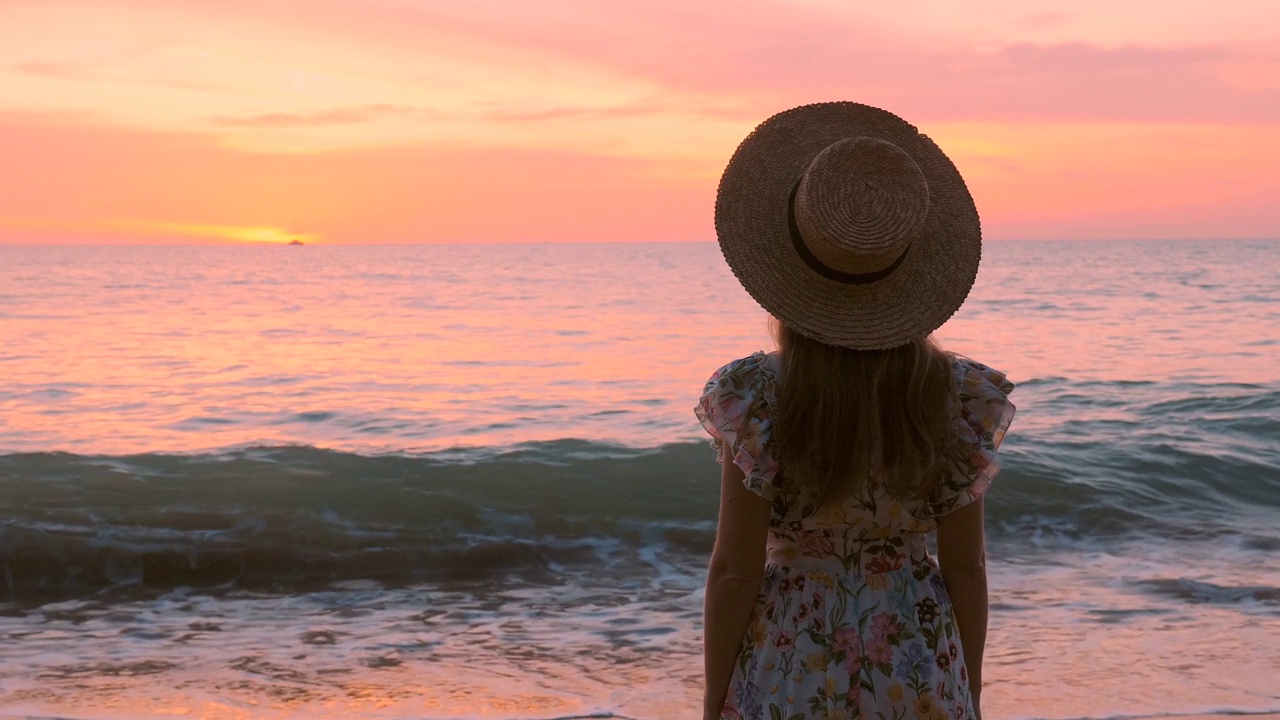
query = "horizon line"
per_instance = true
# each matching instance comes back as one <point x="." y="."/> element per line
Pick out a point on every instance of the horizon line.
<point x="4" y="244"/>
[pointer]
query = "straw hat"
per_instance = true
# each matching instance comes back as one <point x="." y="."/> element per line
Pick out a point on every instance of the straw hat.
<point x="848" y="225"/>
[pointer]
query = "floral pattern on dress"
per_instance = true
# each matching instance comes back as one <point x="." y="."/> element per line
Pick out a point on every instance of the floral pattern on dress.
<point x="853" y="618"/>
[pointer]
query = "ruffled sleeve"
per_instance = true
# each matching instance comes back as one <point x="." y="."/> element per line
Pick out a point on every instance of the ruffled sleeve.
<point x="736" y="408"/>
<point x="982" y="418"/>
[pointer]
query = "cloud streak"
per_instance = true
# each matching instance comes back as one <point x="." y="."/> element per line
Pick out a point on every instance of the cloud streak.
<point x="770" y="54"/>
<point x="336" y="116"/>
<point x="48" y="70"/>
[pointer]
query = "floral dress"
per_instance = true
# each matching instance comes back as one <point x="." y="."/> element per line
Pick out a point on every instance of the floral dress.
<point x="853" y="619"/>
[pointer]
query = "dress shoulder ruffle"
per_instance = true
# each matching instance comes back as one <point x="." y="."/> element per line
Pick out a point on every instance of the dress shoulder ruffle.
<point x="737" y="409"/>
<point x="983" y="414"/>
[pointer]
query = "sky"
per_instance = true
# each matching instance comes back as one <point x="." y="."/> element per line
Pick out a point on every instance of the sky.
<point x="422" y="121"/>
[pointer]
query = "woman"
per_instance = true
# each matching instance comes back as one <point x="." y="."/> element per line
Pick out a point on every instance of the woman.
<point x="859" y="436"/>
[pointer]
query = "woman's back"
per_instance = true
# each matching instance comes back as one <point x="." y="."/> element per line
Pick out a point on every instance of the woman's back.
<point x="853" y="618"/>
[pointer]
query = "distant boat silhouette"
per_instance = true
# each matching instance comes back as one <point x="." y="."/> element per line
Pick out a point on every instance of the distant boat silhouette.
<point x="296" y="242"/>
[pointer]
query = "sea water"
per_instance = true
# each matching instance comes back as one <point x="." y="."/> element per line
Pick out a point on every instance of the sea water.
<point x="466" y="481"/>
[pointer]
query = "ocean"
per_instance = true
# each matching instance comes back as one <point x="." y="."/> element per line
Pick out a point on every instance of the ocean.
<point x="429" y="482"/>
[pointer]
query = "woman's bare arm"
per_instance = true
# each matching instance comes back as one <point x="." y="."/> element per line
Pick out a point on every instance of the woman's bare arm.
<point x="962" y="556"/>
<point x="733" y="582"/>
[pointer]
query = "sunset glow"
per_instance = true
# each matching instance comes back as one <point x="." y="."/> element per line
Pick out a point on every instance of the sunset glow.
<point x="218" y="232"/>
<point x="504" y="121"/>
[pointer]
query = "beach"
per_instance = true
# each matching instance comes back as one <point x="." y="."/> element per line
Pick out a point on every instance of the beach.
<point x="437" y="482"/>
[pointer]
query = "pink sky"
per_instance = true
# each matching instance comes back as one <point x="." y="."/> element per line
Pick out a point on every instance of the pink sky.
<point x="358" y="121"/>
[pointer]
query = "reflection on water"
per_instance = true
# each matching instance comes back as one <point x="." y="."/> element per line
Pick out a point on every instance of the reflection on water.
<point x="398" y="348"/>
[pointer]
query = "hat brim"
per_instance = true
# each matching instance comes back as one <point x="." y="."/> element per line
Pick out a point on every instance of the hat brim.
<point x="925" y="289"/>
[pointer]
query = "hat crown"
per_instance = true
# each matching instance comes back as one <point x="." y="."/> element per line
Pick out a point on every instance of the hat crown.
<point x="860" y="204"/>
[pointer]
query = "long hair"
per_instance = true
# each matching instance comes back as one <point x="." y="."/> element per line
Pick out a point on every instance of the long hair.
<point x="850" y="418"/>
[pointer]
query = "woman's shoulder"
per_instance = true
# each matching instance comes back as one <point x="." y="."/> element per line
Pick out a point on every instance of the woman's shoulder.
<point x="745" y="371"/>
<point x="972" y="376"/>
<point x="981" y="396"/>
<point x="746" y="386"/>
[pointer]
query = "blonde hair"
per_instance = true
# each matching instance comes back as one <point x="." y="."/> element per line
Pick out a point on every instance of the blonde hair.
<point x="848" y="418"/>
